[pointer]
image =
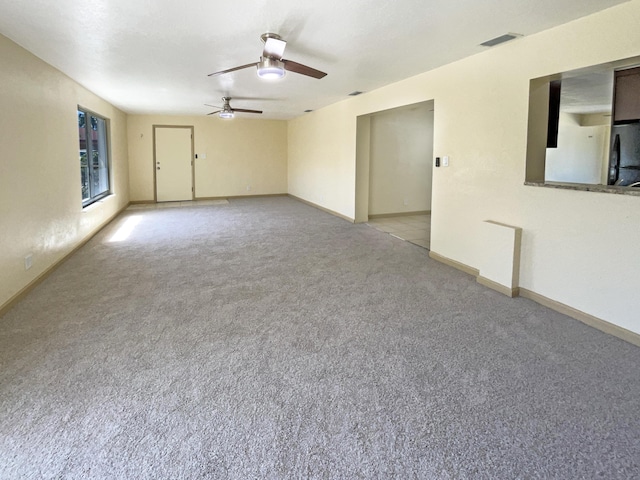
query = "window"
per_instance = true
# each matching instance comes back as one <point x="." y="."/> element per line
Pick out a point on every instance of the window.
<point x="94" y="157"/>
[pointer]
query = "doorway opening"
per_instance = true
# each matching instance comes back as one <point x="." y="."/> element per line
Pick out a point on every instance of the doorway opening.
<point x="394" y="171"/>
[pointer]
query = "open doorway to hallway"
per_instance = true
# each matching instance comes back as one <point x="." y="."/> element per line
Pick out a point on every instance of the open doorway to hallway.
<point x="394" y="171"/>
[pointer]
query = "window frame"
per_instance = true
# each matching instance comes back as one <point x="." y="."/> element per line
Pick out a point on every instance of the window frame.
<point x="107" y="143"/>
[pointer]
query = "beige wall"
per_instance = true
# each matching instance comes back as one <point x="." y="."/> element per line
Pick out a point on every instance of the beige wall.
<point x="401" y="152"/>
<point x="481" y="116"/>
<point x="322" y="152"/>
<point x="240" y="153"/>
<point x="582" y="154"/>
<point x="40" y="197"/>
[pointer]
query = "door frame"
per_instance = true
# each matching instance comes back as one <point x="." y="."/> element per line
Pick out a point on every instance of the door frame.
<point x="193" y="168"/>
<point x="363" y="160"/>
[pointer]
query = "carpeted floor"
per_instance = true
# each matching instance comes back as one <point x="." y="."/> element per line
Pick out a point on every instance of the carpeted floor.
<point x="268" y="339"/>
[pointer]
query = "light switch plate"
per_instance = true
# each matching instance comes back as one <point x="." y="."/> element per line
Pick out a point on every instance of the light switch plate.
<point x="445" y="161"/>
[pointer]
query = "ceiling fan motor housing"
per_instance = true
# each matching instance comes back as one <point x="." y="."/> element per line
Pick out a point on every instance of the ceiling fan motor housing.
<point x="265" y="36"/>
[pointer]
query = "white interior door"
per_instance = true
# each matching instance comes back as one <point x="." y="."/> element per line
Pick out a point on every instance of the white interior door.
<point x="174" y="172"/>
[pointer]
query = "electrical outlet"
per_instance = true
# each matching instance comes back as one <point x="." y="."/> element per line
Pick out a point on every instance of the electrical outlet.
<point x="406" y="201"/>
<point x="248" y="187"/>
<point x="28" y="261"/>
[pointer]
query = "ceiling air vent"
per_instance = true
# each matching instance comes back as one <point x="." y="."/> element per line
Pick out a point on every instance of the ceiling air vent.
<point x="501" y="39"/>
<point x="353" y="94"/>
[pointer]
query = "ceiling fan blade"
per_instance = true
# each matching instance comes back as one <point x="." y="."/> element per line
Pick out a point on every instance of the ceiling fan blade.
<point x="242" y="110"/>
<point x="213" y="113"/>
<point x="302" y="69"/>
<point x="214" y="106"/>
<point x="274" y="48"/>
<point x="232" y="69"/>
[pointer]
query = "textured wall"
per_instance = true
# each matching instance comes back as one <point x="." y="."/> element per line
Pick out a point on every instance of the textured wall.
<point x="239" y="153"/>
<point x="40" y="198"/>
<point x="400" y="168"/>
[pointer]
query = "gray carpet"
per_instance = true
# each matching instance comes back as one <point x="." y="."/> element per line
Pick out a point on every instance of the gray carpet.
<point x="267" y="339"/>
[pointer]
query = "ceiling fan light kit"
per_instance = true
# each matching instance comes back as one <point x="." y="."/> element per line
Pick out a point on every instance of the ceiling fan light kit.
<point x="270" y="68"/>
<point x="224" y="114"/>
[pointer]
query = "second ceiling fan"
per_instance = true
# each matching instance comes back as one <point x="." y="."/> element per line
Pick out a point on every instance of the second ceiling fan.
<point x="271" y="64"/>
<point x="226" y="111"/>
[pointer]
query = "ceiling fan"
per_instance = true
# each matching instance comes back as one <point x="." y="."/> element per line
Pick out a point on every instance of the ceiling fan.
<point x="226" y="111"/>
<point x="271" y="64"/>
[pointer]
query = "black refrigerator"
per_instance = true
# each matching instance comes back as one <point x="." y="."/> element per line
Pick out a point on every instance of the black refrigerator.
<point x="624" y="161"/>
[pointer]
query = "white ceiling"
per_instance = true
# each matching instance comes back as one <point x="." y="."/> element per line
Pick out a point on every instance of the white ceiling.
<point x="590" y="92"/>
<point x="153" y="56"/>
